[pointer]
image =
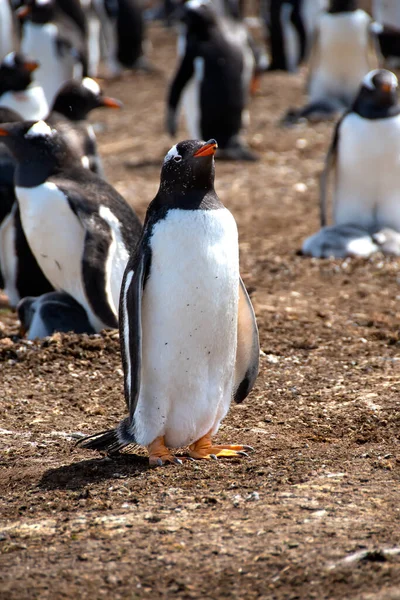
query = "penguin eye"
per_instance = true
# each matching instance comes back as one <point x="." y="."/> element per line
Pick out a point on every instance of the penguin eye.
<point x="178" y="158"/>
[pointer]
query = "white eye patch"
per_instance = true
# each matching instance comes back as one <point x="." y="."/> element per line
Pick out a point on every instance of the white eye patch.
<point x="39" y="129"/>
<point x="9" y="60"/>
<point x="91" y="85"/>
<point x="172" y="154"/>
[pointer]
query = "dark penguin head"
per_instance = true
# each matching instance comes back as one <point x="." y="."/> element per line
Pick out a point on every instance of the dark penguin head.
<point x="198" y="15"/>
<point x="16" y="73"/>
<point x="188" y="167"/>
<point x="38" y="11"/>
<point x="378" y="95"/>
<point x="76" y="99"/>
<point x="38" y="149"/>
<point x="339" y="6"/>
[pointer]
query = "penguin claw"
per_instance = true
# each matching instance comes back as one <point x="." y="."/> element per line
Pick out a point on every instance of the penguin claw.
<point x="213" y="456"/>
<point x="241" y="453"/>
<point x="248" y="449"/>
<point x="178" y="461"/>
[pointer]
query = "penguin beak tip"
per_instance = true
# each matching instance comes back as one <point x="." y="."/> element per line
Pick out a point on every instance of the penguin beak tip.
<point x="111" y="102"/>
<point x="208" y="149"/>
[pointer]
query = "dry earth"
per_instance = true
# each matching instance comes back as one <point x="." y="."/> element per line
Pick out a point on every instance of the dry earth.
<point x="314" y="512"/>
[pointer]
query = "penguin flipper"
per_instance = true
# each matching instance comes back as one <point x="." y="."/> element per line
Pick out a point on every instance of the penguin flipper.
<point x="330" y="165"/>
<point x="130" y="324"/>
<point x="181" y="78"/>
<point x="248" y="347"/>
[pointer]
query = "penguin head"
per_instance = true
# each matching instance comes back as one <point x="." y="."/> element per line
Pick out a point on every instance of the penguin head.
<point x="38" y="11"/>
<point x="76" y="99"/>
<point x="378" y="94"/>
<point x="189" y="165"/>
<point x="339" y="6"/>
<point x="16" y="72"/>
<point x="198" y="15"/>
<point x="36" y="141"/>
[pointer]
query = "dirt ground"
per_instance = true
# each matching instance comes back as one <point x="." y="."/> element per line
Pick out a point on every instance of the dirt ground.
<point x="314" y="512"/>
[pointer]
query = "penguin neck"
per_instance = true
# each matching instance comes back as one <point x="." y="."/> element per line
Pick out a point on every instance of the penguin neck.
<point x="33" y="170"/>
<point x="169" y="197"/>
<point x="369" y="111"/>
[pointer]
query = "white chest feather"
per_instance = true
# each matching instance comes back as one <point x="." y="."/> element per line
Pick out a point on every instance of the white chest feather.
<point x="39" y="42"/>
<point x="368" y="172"/>
<point x="6" y="29"/>
<point x="8" y="258"/>
<point x="56" y="238"/>
<point x="342" y="56"/>
<point x="189" y="320"/>
<point x="31" y="104"/>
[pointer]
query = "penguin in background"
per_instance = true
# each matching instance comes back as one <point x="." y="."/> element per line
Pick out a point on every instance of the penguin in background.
<point x="188" y="333"/>
<point x="287" y="34"/>
<point x="8" y="34"/>
<point x="50" y="313"/>
<point x="69" y="115"/>
<point x="123" y="34"/>
<point x="213" y="81"/>
<point x="363" y="159"/>
<point x="57" y="41"/>
<point x="18" y="91"/>
<point x="386" y="14"/>
<point x="340" y="57"/>
<point x="79" y="229"/>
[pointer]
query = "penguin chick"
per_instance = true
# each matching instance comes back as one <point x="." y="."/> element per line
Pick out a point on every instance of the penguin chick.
<point x="69" y="115"/>
<point x="79" y="228"/>
<point x="18" y="91"/>
<point x="188" y="333"/>
<point x="50" y="313"/>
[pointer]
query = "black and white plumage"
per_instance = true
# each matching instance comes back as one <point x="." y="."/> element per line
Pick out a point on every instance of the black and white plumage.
<point x="18" y="90"/>
<point x="78" y="227"/>
<point x="188" y="334"/>
<point x="8" y="36"/>
<point x="53" y="35"/>
<point x="51" y="313"/>
<point x="364" y="157"/>
<point x="344" y="50"/>
<point x="69" y="114"/>
<point x="213" y="79"/>
<point x="386" y="13"/>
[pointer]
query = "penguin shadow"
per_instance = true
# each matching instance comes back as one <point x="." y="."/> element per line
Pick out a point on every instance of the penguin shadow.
<point x="79" y="474"/>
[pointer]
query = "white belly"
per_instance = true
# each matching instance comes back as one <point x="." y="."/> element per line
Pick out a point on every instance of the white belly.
<point x="6" y="29"/>
<point x="38" y="42"/>
<point x="368" y="173"/>
<point x="191" y="100"/>
<point x="343" y="56"/>
<point x="189" y="324"/>
<point x="31" y="104"/>
<point x="8" y="258"/>
<point x="56" y="238"/>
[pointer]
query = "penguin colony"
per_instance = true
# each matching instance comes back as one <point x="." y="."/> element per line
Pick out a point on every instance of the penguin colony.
<point x="74" y="255"/>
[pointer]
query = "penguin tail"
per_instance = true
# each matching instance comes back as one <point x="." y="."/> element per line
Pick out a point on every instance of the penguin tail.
<point x="111" y="441"/>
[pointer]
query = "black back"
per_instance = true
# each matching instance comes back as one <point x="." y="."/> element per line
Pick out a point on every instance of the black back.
<point x="130" y="32"/>
<point x="339" y="6"/>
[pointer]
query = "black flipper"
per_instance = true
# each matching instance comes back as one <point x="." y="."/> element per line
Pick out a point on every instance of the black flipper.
<point x="330" y="163"/>
<point x="248" y="348"/>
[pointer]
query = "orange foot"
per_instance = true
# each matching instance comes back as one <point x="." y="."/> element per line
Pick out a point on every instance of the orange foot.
<point x="204" y="448"/>
<point x="159" y="454"/>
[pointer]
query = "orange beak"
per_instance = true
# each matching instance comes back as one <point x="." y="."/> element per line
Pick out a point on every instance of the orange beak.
<point x="31" y="65"/>
<point x="23" y="12"/>
<point x="22" y="331"/>
<point x="208" y="149"/>
<point x="4" y="132"/>
<point x="110" y="102"/>
<point x="386" y="87"/>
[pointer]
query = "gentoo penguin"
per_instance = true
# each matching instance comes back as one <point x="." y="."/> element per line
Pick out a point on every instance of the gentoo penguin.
<point x="188" y="333"/>
<point x="340" y="57"/>
<point x="364" y="158"/>
<point x="8" y="37"/>
<point x="49" y="313"/>
<point x="56" y="41"/>
<point x="386" y="14"/>
<point x="80" y="230"/>
<point x="69" y="114"/>
<point x="214" y="76"/>
<point x="287" y="34"/>
<point x="123" y="32"/>
<point x="18" y="91"/>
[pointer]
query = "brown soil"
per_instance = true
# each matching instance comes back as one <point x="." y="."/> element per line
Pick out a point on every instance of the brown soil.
<point x="314" y="512"/>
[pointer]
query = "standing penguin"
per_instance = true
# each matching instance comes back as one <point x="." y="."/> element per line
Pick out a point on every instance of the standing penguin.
<point x="57" y="41"/>
<point x="387" y="16"/>
<point x="69" y="116"/>
<point x="188" y="333"/>
<point x="18" y="91"/>
<point x="214" y="76"/>
<point x="8" y="37"/>
<point x="340" y="57"/>
<point x="80" y="230"/>
<point x="364" y="156"/>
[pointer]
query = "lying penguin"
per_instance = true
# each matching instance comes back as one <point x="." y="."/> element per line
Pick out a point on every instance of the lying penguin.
<point x="79" y="229"/>
<point x="188" y="333"/>
<point x="364" y="159"/>
<point x="340" y="57"/>
<point x="51" y="313"/>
